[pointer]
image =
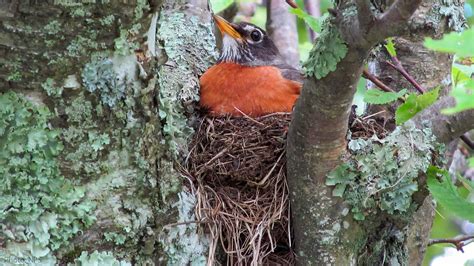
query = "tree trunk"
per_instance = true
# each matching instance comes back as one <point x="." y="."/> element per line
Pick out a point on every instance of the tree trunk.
<point x="109" y="87"/>
<point x="325" y="225"/>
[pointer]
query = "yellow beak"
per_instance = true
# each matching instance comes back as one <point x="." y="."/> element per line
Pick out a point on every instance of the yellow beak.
<point x="226" y="28"/>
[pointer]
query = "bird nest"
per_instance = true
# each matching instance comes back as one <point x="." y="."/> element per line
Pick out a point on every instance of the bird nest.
<point x="238" y="167"/>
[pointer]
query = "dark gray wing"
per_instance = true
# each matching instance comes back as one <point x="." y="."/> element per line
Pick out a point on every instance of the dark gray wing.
<point x="290" y="72"/>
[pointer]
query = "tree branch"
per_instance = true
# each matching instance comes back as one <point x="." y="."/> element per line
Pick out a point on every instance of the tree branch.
<point x="392" y="22"/>
<point x="400" y="69"/>
<point x="316" y="139"/>
<point x="458" y="242"/>
<point x="292" y="3"/>
<point x="281" y="26"/>
<point x="365" y="15"/>
<point x="367" y="75"/>
<point x="446" y="127"/>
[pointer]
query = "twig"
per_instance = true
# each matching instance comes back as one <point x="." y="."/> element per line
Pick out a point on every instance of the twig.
<point x="376" y="81"/>
<point x="292" y="3"/>
<point x="247" y="116"/>
<point x="458" y="242"/>
<point x="184" y="223"/>
<point x="468" y="142"/>
<point x="399" y="67"/>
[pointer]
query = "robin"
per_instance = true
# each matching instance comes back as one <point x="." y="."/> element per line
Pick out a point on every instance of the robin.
<point x="250" y="77"/>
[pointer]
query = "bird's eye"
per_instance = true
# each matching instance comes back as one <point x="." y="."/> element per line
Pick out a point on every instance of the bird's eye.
<point x="256" y="35"/>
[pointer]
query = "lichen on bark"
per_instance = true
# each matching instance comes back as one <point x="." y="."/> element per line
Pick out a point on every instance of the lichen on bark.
<point x="382" y="174"/>
<point x="105" y="110"/>
<point x="178" y="84"/>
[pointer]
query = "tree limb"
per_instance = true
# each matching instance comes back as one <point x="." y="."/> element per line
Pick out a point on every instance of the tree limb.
<point x="392" y="22"/>
<point x="458" y="242"/>
<point x="281" y="26"/>
<point x="446" y="127"/>
<point x="366" y="74"/>
<point x="365" y="15"/>
<point x="317" y="140"/>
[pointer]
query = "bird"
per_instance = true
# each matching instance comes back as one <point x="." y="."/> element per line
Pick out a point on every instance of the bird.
<point x="250" y="78"/>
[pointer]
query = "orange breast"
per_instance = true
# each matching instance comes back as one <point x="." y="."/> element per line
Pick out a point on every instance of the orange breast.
<point x="228" y="88"/>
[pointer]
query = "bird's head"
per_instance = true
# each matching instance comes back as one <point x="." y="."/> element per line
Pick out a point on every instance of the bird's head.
<point x="246" y="44"/>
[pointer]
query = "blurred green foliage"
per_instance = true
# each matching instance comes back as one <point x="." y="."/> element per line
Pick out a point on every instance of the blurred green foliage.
<point x="219" y="5"/>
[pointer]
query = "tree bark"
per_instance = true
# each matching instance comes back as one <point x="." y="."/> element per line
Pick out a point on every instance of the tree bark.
<point x="317" y="140"/>
<point x="116" y="79"/>
<point x="281" y="26"/>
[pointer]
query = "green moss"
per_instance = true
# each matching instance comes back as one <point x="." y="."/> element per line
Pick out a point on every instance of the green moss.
<point x="329" y="49"/>
<point x="40" y="210"/>
<point x="383" y="174"/>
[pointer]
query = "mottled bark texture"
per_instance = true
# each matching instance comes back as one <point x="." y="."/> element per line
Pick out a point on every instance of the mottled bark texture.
<point x="116" y="80"/>
<point x="324" y="232"/>
<point x="431" y="70"/>
<point x="281" y="26"/>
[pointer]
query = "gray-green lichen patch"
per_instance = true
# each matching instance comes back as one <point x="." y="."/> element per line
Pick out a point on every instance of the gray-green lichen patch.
<point x="437" y="14"/>
<point x="98" y="258"/>
<point x="40" y="210"/>
<point x="382" y="174"/>
<point x="51" y="88"/>
<point x="453" y="10"/>
<point x="177" y="80"/>
<point x="180" y="241"/>
<point x="329" y="49"/>
<point x="178" y="85"/>
<point x="109" y="77"/>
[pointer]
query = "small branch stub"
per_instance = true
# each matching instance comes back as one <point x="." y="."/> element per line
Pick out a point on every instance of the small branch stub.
<point x="458" y="242"/>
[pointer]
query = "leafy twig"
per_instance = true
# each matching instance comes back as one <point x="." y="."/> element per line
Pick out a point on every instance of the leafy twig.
<point x="397" y="65"/>
<point x="468" y="142"/>
<point x="291" y="3"/>
<point x="366" y="74"/>
<point x="458" y="242"/>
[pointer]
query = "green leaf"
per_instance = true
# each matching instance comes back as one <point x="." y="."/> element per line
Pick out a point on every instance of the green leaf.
<point x="467" y="183"/>
<point x="381" y="97"/>
<point x="471" y="162"/>
<point x="414" y="104"/>
<point x="312" y="22"/>
<point x="463" y="92"/>
<point x="390" y="46"/>
<point x="219" y="5"/>
<point x="446" y="194"/>
<point x="462" y="69"/>
<point x="456" y="43"/>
